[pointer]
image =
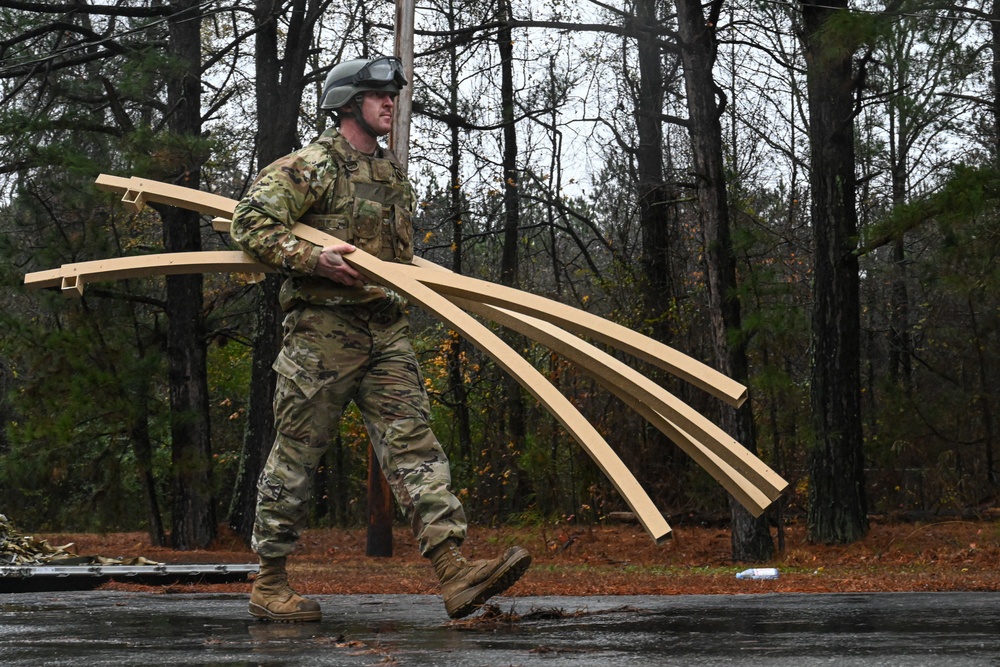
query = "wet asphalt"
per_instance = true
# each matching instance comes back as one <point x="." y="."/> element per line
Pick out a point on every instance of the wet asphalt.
<point x="777" y="630"/>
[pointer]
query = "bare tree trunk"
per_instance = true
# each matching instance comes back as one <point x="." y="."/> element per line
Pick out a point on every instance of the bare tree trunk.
<point x="142" y="445"/>
<point x="900" y="347"/>
<point x="259" y="434"/>
<point x="142" y="448"/>
<point x="457" y="348"/>
<point x="657" y="214"/>
<point x="456" y="363"/>
<point x="995" y="71"/>
<point x="193" y="523"/>
<point x="280" y="83"/>
<point x="6" y="414"/>
<point x="512" y="212"/>
<point x="837" y="502"/>
<point x="751" y="538"/>
<point x="380" y="515"/>
<point x="984" y="395"/>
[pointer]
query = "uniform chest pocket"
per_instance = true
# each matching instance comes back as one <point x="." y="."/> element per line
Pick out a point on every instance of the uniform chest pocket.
<point x="366" y="228"/>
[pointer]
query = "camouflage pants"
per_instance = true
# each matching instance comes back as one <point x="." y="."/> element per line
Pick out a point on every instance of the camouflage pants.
<point x="331" y="356"/>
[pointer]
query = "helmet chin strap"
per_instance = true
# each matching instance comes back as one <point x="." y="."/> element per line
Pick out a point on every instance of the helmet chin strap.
<point x="358" y="100"/>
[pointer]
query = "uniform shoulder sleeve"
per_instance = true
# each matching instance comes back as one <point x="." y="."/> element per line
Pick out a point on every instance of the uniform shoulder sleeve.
<point x="282" y="193"/>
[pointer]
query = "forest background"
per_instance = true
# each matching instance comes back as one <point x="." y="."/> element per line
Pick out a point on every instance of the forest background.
<point x="802" y="194"/>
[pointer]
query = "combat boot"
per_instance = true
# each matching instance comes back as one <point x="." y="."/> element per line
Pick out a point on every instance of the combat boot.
<point x="272" y="598"/>
<point x="467" y="586"/>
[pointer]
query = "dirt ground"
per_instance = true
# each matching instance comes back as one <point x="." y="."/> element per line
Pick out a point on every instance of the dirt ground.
<point x="946" y="555"/>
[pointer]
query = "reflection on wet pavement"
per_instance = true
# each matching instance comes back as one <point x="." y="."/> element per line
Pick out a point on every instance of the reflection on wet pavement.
<point x="108" y="628"/>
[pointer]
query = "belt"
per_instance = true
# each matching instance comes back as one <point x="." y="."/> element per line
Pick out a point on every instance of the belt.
<point x="382" y="313"/>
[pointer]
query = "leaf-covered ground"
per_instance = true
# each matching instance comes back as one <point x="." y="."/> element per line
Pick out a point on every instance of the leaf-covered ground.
<point x="616" y="560"/>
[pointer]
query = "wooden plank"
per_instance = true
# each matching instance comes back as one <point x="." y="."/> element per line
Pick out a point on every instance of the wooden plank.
<point x="73" y="276"/>
<point x="638" y="391"/>
<point x="44" y="279"/>
<point x="543" y="391"/>
<point x="388" y="273"/>
<point x="138" y="191"/>
<point x="573" y="319"/>
<point x="741" y="473"/>
<point x="748" y="479"/>
<point x="586" y="324"/>
<point x="739" y="467"/>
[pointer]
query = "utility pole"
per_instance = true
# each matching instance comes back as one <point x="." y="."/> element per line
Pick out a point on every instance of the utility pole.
<point x="399" y="137"/>
<point x="380" y="514"/>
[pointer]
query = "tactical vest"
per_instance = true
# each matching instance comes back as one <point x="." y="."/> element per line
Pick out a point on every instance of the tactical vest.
<point x="368" y="204"/>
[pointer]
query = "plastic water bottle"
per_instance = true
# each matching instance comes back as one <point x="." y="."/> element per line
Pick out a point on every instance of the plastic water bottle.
<point x="759" y="573"/>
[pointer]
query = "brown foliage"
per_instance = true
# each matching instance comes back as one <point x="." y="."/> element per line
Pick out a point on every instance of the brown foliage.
<point x="617" y="560"/>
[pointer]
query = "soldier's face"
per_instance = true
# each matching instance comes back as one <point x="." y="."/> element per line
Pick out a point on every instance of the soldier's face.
<point x="376" y="109"/>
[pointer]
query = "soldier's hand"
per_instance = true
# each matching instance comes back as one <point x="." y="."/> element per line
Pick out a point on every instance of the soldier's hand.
<point x="331" y="265"/>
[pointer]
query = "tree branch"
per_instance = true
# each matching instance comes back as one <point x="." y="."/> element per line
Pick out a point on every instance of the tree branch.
<point x="455" y="120"/>
<point x="92" y="10"/>
<point x="641" y="33"/>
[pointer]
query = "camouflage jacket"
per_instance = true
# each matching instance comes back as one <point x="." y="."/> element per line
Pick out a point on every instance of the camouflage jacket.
<point x="364" y="200"/>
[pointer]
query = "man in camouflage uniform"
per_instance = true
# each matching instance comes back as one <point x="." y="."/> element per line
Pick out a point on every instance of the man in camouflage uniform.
<point x="345" y="340"/>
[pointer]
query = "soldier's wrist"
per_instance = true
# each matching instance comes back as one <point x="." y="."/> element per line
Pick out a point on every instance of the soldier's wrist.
<point x="311" y="259"/>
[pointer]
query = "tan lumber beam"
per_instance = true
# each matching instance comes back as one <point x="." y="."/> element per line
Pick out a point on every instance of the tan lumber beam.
<point x="586" y="324"/>
<point x="44" y="279"/>
<point x="137" y="192"/>
<point x="72" y="277"/>
<point x="748" y="479"/>
<point x="639" y="392"/>
<point x="753" y="484"/>
<point x="389" y="273"/>
<point x="576" y="320"/>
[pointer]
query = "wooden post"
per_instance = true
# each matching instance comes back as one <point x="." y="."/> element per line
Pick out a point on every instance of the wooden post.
<point x="399" y="136"/>
<point x="380" y="515"/>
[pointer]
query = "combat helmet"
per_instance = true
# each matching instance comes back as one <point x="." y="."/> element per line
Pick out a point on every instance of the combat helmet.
<point x="349" y="79"/>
